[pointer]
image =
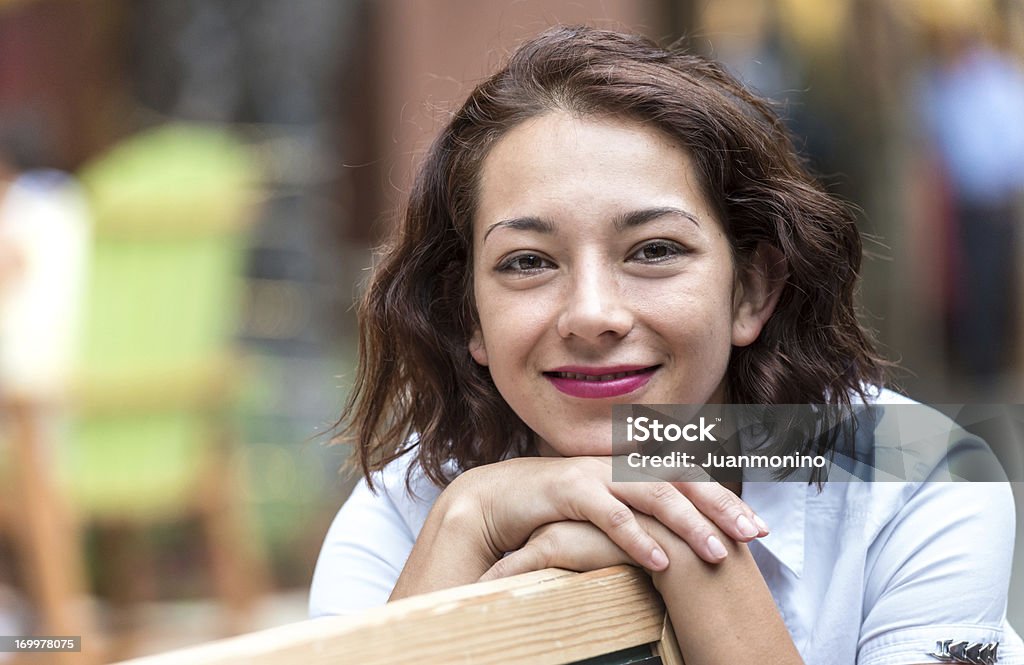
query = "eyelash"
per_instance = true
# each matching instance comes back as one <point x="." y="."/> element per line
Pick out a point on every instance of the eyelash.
<point x="674" y="250"/>
<point x="509" y="265"/>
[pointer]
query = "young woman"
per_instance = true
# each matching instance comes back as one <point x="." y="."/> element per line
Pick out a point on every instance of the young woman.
<point x="608" y="222"/>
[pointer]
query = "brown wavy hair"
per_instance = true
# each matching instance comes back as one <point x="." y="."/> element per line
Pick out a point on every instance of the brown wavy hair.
<point x="417" y="386"/>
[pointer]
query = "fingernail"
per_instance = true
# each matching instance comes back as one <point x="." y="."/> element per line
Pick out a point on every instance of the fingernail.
<point x="658" y="559"/>
<point x="746" y="527"/>
<point x="761" y="525"/>
<point x="716" y="547"/>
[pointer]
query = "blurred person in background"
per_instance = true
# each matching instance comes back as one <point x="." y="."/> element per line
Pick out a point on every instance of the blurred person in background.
<point x="10" y="267"/>
<point x="45" y="229"/>
<point x="9" y="256"/>
<point x="972" y="103"/>
<point x="44" y="239"/>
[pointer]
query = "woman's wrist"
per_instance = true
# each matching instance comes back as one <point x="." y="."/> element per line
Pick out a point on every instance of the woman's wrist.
<point x="723" y="613"/>
<point x="684" y="563"/>
<point x="452" y="549"/>
<point x="462" y="519"/>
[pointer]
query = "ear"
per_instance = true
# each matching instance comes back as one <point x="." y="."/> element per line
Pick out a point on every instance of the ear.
<point x="477" y="348"/>
<point x="757" y="292"/>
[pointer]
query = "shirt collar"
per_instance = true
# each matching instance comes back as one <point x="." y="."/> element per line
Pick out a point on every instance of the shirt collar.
<point x="783" y="506"/>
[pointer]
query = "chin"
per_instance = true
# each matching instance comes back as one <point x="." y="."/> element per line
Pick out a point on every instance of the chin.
<point x="574" y="449"/>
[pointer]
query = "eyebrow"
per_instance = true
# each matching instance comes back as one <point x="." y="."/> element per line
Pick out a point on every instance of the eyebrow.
<point x="626" y="221"/>
<point x="522" y="224"/>
<point x="638" y="217"/>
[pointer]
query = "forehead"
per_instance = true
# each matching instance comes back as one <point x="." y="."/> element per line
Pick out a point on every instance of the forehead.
<point x="561" y="165"/>
<point x="558" y="139"/>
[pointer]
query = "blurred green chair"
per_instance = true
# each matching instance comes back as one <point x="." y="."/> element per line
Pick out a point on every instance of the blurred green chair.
<point x="150" y="438"/>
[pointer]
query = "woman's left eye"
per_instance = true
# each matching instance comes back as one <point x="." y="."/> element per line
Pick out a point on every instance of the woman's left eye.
<point x="653" y="252"/>
<point x="524" y="263"/>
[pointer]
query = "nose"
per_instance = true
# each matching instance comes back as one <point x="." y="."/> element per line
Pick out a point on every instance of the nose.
<point x="595" y="306"/>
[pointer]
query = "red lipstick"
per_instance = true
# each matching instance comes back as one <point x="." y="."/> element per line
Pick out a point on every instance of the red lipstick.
<point x="600" y="382"/>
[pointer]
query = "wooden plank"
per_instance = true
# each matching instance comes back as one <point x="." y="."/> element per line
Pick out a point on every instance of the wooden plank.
<point x="547" y="617"/>
<point x="668" y="647"/>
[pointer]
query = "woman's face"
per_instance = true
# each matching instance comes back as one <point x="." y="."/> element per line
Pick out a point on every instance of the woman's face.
<point x="601" y="277"/>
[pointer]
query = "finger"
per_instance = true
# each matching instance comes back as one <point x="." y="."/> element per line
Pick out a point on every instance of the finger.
<point x="524" y="560"/>
<point x="660" y="499"/>
<point x="668" y="506"/>
<point x="578" y="546"/>
<point x="582" y="546"/>
<point x="585" y="495"/>
<point x="618" y="522"/>
<point x="725" y="509"/>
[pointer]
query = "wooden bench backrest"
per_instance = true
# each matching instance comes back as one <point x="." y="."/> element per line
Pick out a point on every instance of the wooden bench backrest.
<point x="550" y="616"/>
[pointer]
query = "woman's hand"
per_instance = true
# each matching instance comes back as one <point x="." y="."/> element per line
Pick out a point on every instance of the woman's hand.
<point x="518" y="496"/>
<point x="495" y="509"/>
<point x="578" y="546"/>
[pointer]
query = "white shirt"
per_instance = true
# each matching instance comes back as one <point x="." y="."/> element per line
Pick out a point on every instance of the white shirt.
<point x="866" y="573"/>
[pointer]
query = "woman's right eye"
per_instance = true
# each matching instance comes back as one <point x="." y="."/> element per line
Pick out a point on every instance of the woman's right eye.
<point x="525" y="263"/>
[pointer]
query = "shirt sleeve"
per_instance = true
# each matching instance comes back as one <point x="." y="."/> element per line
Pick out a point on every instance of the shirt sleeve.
<point x="939" y="570"/>
<point x="362" y="556"/>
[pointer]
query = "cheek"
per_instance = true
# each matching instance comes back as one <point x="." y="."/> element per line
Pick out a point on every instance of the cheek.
<point x="695" y="325"/>
<point x="513" y="318"/>
<point x="693" y="308"/>
<point x="518" y="348"/>
<point x="511" y="339"/>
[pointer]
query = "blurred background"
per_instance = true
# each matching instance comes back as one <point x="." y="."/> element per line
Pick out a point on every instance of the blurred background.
<point x="190" y="191"/>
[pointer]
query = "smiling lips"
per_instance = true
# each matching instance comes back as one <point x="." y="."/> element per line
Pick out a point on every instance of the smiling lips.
<point x="600" y="382"/>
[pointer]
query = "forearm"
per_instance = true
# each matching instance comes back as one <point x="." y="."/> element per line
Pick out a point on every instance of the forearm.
<point x="451" y="550"/>
<point x="723" y="613"/>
